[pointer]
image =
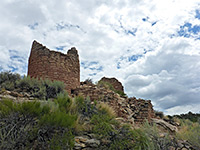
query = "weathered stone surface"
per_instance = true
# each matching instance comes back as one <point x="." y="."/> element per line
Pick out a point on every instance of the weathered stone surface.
<point x="184" y="145"/>
<point x="142" y="109"/>
<point x="86" y="142"/>
<point x="165" y="125"/>
<point x="114" y="82"/>
<point x="44" y="63"/>
<point x="15" y="96"/>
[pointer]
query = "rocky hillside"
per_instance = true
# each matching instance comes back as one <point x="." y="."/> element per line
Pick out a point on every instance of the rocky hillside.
<point x="38" y="114"/>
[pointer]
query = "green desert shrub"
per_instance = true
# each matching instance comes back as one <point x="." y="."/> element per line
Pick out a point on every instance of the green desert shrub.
<point x="32" y="86"/>
<point x="41" y="89"/>
<point x="122" y="94"/>
<point x="64" y="102"/>
<point x="61" y="116"/>
<point x="123" y="139"/>
<point x="17" y="122"/>
<point x="53" y="88"/>
<point x="147" y="138"/>
<point x="25" y="125"/>
<point x="6" y="107"/>
<point x="142" y="141"/>
<point x="103" y="123"/>
<point x="157" y="142"/>
<point x="190" y="131"/>
<point x="105" y="108"/>
<point x="62" y="141"/>
<point x="194" y="117"/>
<point x="127" y="138"/>
<point x="8" y="80"/>
<point x="85" y="107"/>
<point x="80" y="101"/>
<point x="78" y="105"/>
<point x="58" y="119"/>
<point x="159" y="114"/>
<point x="106" y="85"/>
<point x="31" y="108"/>
<point x="14" y="130"/>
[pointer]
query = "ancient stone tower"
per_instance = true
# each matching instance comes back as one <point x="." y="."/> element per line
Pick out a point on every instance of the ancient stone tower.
<point x="44" y="63"/>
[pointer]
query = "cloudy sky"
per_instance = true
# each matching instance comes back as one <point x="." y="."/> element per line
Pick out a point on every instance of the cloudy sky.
<point x="151" y="46"/>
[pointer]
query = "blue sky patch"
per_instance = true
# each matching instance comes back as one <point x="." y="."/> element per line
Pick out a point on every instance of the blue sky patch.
<point x="118" y="65"/>
<point x="61" y="26"/>
<point x="100" y="68"/>
<point x="197" y="14"/>
<point x="13" y="69"/>
<point x="127" y="31"/>
<point x="187" y="29"/>
<point x="134" y="57"/>
<point x="195" y="29"/>
<point x="92" y="68"/>
<point x="146" y="51"/>
<point x="96" y="68"/>
<point x="92" y="74"/>
<point x="12" y="51"/>
<point x="33" y="26"/>
<point x="128" y="59"/>
<point x="18" y="58"/>
<point x="14" y="55"/>
<point x="60" y="48"/>
<point x="154" y="23"/>
<point x="93" y="65"/>
<point x="145" y="19"/>
<point x="131" y="32"/>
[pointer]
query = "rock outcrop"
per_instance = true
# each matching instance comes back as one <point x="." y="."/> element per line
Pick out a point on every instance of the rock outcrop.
<point x="44" y="63"/>
<point x="86" y="142"/>
<point x="15" y="96"/>
<point x="165" y="125"/>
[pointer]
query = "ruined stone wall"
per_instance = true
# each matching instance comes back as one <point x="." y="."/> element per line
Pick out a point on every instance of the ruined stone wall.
<point x="132" y="110"/>
<point x="142" y="109"/>
<point x="94" y="92"/>
<point x="44" y="63"/>
<point x="114" y="82"/>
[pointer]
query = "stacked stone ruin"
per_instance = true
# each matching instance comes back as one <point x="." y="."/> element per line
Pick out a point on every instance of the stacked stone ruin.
<point x="114" y="82"/>
<point x="142" y="109"/>
<point x="45" y="63"/>
<point x="132" y="110"/>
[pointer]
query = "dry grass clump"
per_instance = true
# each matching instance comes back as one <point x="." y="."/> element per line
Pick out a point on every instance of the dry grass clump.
<point x="190" y="131"/>
<point x="108" y="109"/>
